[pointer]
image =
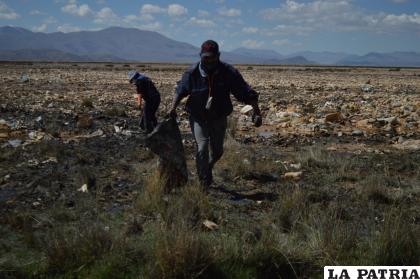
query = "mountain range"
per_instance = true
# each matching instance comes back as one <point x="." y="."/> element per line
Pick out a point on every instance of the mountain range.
<point x="116" y="44"/>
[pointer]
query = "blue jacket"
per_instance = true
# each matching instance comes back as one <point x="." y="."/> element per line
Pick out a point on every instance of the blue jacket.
<point x="146" y="86"/>
<point x="197" y="85"/>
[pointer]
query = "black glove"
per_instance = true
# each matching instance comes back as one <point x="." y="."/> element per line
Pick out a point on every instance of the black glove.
<point x="257" y="120"/>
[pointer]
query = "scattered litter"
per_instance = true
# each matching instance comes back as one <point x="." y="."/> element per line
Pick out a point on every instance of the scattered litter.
<point x="265" y="134"/>
<point x="36" y="135"/>
<point x="15" y="143"/>
<point x="357" y="133"/>
<point x="33" y="162"/>
<point x="293" y="175"/>
<point x="83" y="189"/>
<point x="50" y="160"/>
<point x="127" y="133"/>
<point x="367" y="88"/>
<point x="412" y="145"/>
<point x="297" y="166"/>
<point x="246" y="109"/>
<point x="24" y="77"/>
<point x="210" y="225"/>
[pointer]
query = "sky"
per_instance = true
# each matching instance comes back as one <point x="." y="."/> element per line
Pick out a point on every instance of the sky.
<point x="287" y="26"/>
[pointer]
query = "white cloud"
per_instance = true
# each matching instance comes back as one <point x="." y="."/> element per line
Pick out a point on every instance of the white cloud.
<point x="146" y="17"/>
<point x="399" y="1"/>
<point x="66" y="28"/>
<point x="176" y="10"/>
<point x="229" y="12"/>
<point x="203" y="13"/>
<point x="130" y="18"/>
<point x="134" y="19"/>
<point x="283" y="42"/>
<point x="250" y="30"/>
<point x="252" y="44"/>
<point x="402" y="19"/>
<point x="334" y="15"/>
<point x="201" y="22"/>
<point x="106" y="16"/>
<point x="42" y="28"/>
<point x="173" y="10"/>
<point x="6" y="12"/>
<point x="151" y="9"/>
<point x="73" y="9"/>
<point x="283" y="29"/>
<point x="36" y="12"/>
<point x="154" y="26"/>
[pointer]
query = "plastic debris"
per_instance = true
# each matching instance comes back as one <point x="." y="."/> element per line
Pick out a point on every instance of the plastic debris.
<point x="246" y="109"/>
<point x="293" y="175"/>
<point x="24" y="77"/>
<point x="367" y="88"/>
<point x="83" y="189"/>
<point x="15" y="143"/>
<point x="210" y="225"/>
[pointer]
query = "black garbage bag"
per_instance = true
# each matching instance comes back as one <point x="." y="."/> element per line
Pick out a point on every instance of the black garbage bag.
<point x="166" y="142"/>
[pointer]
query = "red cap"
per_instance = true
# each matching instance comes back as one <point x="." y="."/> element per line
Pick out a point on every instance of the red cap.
<point x="209" y="48"/>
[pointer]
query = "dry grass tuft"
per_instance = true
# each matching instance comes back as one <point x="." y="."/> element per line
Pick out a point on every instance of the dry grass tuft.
<point x="151" y="199"/>
<point x="289" y="210"/>
<point x="397" y="243"/>
<point x="241" y="161"/>
<point x="327" y="235"/>
<point x="181" y="252"/>
<point x="374" y="189"/>
<point x="87" y="103"/>
<point x="74" y="248"/>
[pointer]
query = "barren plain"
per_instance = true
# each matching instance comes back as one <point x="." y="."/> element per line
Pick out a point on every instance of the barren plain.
<point x="331" y="178"/>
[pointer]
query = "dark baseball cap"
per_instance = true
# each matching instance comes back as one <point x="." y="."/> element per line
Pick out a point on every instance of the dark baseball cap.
<point x="209" y="48"/>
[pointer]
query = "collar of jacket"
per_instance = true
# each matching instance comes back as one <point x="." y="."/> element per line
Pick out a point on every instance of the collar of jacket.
<point x="203" y="73"/>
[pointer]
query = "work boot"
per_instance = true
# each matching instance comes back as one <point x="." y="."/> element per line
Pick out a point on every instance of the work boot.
<point x="205" y="185"/>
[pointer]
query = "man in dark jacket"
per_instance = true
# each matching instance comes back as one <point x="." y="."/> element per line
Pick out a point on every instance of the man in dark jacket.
<point x="208" y="85"/>
<point x="146" y="91"/>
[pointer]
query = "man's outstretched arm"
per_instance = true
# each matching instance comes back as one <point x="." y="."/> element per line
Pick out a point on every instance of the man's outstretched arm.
<point x="245" y="94"/>
<point x="182" y="90"/>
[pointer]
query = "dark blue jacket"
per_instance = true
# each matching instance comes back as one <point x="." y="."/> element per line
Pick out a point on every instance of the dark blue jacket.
<point x="226" y="80"/>
<point x="148" y="90"/>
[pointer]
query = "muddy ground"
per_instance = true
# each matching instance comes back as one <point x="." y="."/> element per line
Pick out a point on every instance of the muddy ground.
<point x="347" y="139"/>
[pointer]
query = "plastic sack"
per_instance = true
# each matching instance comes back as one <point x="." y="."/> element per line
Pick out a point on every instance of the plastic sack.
<point x="166" y="142"/>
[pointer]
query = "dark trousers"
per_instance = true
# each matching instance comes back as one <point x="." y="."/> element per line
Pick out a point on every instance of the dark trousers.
<point x="209" y="137"/>
<point x="149" y="121"/>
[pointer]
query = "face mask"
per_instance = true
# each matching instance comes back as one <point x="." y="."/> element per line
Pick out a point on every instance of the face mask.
<point x="209" y="67"/>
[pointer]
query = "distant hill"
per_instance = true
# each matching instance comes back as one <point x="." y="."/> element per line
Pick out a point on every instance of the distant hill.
<point x="50" y="55"/>
<point x="265" y="54"/>
<point x="394" y="59"/>
<point x="324" y="57"/>
<point x="39" y="55"/>
<point x="124" y="43"/>
<point x="130" y="44"/>
<point x="297" y="60"/>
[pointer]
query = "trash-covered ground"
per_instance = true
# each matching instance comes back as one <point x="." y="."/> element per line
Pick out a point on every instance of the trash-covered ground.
<point x="331" y="178"/>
